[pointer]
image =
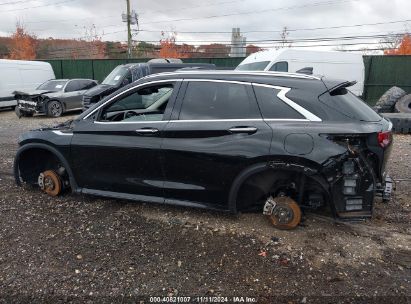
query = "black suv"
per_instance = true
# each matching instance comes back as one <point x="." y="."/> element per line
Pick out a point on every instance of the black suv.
<point x="269" y="141"/>
<point x="130" y="72"/>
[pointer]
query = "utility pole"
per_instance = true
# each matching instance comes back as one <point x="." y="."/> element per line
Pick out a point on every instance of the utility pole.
<point x="128" y="29"/>
<point x="131" y="18"/>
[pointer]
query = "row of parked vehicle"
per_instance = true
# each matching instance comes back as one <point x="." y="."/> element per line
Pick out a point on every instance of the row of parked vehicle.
<point x="57" y="96"/>
<point x="31" y="87"/>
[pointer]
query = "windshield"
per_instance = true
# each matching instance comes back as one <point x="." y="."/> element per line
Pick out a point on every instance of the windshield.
<point x="116" y="76"/>
<point x="53" y="85"/>
<point x="254" y="66"/>
<point x="350" y="105"/>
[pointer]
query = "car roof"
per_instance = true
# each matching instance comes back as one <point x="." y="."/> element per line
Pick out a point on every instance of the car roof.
<point x="234" y="74"/>
<point x="67" y="79"/>
<point x="281" y="79"/>
<point x="166" y="64"/>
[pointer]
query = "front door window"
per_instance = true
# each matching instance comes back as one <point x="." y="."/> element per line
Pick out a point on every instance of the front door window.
<point x="146" y="104"/>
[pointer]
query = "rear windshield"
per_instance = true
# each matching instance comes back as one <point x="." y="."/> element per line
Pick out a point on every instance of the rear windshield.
<point x="53" y="85"/>
<point x="349" y="105"/>
<point x="254" y="66"/>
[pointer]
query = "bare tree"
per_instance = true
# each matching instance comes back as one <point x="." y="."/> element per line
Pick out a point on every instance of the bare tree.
<point x="284" y="42"/>
<point x="391" y="41"/>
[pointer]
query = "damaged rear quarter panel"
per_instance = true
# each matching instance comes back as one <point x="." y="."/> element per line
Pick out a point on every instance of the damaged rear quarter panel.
<point x="329" y="155"/>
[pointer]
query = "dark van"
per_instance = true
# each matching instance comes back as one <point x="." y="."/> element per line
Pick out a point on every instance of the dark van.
<point x="128" y="73"/>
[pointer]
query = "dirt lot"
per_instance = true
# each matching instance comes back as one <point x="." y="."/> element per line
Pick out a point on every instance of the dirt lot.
<point x="81" y="248"/>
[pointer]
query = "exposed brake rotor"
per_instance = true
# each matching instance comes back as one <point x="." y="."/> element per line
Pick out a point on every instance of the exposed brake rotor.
<point x="283" y="212"/>
<point x="50" y="182"/>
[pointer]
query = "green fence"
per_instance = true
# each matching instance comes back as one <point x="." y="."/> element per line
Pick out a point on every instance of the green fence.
<point x="381" y="72"/>
<point x="99" y="68"/>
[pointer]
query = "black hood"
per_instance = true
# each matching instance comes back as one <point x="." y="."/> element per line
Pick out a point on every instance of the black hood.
<point x="101" y="89"/>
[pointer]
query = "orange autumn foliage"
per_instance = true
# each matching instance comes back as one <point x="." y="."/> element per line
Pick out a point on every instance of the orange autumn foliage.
<point x="403" y="49"/>
<point x="23" y="45"/>
<point x="169" y="48"/>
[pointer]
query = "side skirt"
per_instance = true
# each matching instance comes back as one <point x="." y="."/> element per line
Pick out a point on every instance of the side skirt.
<point x="149" y="199"/>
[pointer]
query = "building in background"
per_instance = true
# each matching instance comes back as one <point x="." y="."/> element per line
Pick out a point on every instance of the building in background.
<point x="238" y="44"/>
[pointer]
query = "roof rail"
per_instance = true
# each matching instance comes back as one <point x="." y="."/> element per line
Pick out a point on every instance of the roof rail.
<point x="225" y="72"/>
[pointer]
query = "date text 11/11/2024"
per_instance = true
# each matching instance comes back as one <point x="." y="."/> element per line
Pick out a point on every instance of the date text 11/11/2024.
<point x="203" y="299"/>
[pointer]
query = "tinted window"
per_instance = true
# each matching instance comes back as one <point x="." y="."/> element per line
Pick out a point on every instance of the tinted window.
<point x="350" y="105"/>
<point x="72" y="86"/>
<point x="86" y="84"/>
<point x="53" y="85"/>
<point x="145" y="104"/>
<point x="254" y="66"/>
<point x="273" y="107"/>
<point x="281" y="66"/>
<point x="218" y="100"/>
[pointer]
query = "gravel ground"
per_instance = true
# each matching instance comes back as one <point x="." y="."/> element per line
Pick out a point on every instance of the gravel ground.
<point x="86" y="249"/>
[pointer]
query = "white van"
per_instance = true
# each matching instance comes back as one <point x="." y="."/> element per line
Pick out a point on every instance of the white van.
<point x="19" y="75"/>
<point x="339" y="65"/>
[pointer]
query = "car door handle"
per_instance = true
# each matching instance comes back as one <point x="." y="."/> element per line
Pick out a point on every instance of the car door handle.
<point x="243" y="130"/>
<point x="147" y="131"/>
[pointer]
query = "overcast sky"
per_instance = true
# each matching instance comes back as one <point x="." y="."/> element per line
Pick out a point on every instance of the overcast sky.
<point x="70" y="18"/>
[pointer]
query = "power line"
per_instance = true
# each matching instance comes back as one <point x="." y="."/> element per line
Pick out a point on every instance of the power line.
<point x="216" y="50"/>
<point x="144" y="13"/>
<point x="33" y="7"/>
<point x="288" y="29"/>
<point x="315" y="4"/>
<point x="16" y="2"/>
<point x="291" y="40"/>
<point x="191" y="7"/>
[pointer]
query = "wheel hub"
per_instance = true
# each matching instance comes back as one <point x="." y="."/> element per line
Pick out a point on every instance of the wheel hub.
<point x="283" y="212"/>
<point x="50" y="182"/>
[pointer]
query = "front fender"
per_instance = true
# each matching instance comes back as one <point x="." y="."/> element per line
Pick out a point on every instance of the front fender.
<point x="49" y="148"/>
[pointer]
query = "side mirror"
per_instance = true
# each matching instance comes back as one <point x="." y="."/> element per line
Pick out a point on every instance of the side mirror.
<point x="125" y="82"/>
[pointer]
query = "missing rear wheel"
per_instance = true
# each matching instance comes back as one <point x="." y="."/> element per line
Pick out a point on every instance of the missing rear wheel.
<point x="283" y="212"/>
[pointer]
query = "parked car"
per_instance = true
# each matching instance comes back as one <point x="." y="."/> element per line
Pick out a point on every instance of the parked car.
<point x="273" y="142"/>
<point x="53" y="98"/>
<point x="340" y="65"/>
<point x="128" y="73"/>
<point x="21" y="75"/>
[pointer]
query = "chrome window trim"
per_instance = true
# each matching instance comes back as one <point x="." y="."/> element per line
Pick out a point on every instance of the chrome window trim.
<point x="216" y="120"/>
<point x="282" y="95"/>
<point x="216" y="80"/>
<point x="129" y="122"/>
<point x="130" y="89"/>
<point x="255" y="73"/>
<point x="205" y="120"/>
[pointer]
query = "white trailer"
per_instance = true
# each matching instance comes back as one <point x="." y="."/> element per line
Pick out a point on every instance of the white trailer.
<point x="339" y="65"/>
<point x="20" y="75"/>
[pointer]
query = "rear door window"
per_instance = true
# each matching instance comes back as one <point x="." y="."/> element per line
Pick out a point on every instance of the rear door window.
<point x="349" y="105"/>
<point x="272" y="107"/>
<point x="72" y="86"/>
<point x="205" y="100"/>
<point x="86" y="84"/>
<point x="253" y="66"/>
<point x="281" y="66"/>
